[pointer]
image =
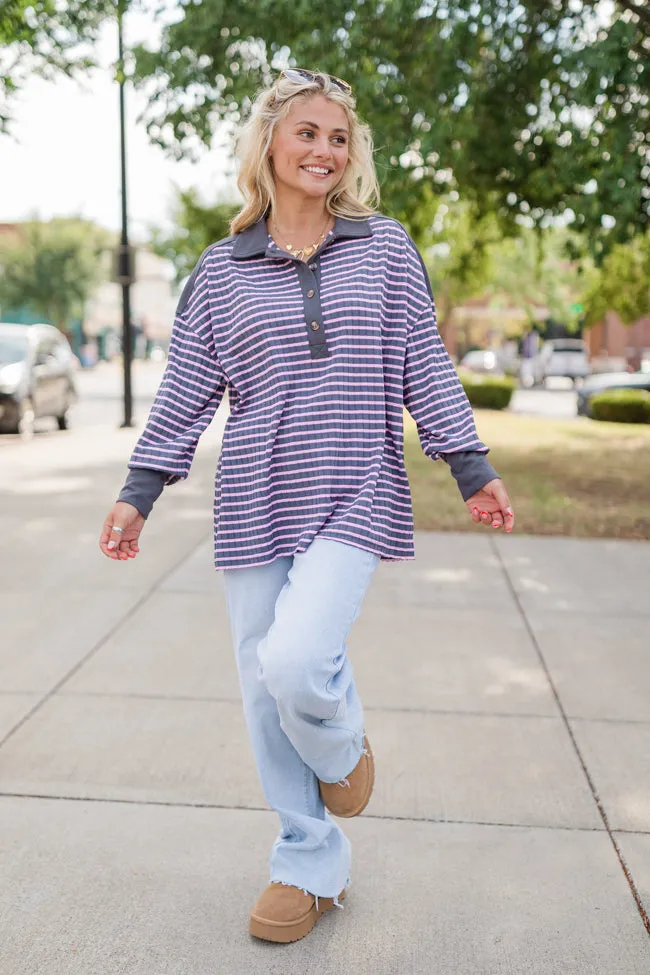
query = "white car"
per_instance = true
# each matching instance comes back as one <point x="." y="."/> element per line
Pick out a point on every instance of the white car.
<point x="568" y="358"/>
<point x="481" y="360"/>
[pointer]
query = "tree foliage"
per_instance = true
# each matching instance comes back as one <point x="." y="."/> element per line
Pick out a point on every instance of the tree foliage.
<point x="460" y="258"/>
<point x="52" y="267"/>
<point x="45" y="36"/>
<point x="622" y="284"/>
<point x="527" y="109"/>
<point x="196" y="226"/>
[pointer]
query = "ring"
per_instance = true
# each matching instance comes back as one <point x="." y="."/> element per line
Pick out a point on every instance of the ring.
<point x="116" y="529"/>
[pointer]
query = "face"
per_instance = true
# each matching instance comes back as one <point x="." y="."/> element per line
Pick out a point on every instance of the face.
<point x="310" y="146"/>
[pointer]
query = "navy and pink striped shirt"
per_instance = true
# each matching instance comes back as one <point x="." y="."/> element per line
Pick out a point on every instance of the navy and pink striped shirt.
<point x="319" y="360"/>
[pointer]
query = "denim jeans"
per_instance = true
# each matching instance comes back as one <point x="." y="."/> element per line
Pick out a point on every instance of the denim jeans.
<point x="289" y="621"/>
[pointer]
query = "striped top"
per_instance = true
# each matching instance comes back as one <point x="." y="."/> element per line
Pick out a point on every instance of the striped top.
<point x="319" y="360"/>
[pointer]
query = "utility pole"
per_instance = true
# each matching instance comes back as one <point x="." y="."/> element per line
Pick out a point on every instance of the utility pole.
<point x="125" y="254"/>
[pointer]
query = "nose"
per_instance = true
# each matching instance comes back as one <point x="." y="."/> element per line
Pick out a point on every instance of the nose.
<point x="322" y="148"/>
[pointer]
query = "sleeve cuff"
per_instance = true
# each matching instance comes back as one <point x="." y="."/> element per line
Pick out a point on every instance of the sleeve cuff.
<point x="143" y="486"/>
<point x="471" y="470"/>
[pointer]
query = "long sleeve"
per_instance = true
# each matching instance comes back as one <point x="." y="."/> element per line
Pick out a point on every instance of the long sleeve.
<point x="142" y="488"/>
<point x="190" y="392"/>
<point x="433" y="393"/>
<point x="435" y="398"/>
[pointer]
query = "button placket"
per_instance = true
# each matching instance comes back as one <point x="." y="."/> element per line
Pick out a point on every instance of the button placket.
<point x="308" y="277"/>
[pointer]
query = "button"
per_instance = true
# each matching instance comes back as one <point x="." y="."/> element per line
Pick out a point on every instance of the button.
<point x="312" y="267"/>
<point x="315" y="326"/>
<point x="311" y="293"/>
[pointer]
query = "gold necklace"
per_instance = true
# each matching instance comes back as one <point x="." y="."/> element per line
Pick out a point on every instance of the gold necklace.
<point x="302" y="252"/>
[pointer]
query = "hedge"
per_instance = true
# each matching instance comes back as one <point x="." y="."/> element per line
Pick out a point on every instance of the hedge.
<point x="491" y="392"/>
<point x="621" y="406"/>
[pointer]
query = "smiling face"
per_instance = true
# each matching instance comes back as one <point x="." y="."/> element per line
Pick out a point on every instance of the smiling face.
<point x="310" y="147"/>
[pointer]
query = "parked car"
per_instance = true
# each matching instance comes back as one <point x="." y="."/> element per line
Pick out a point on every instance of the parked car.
<point x="36" y="376"/>
<point x="602" y="381"/>
<point x="568" y="358"/>
<point x="481" y="360"/>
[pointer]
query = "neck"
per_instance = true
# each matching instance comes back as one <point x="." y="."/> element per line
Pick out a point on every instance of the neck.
<point x="298" y="215"/>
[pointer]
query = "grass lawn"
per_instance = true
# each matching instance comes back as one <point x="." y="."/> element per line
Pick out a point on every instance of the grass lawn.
<point x="565" y="477"/>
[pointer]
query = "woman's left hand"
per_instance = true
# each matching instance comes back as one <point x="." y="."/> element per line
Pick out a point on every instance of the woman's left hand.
<point x="491" y="506"/>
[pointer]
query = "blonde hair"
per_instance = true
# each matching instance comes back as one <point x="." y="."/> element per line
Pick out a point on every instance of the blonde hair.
<point x="356" y="190"/>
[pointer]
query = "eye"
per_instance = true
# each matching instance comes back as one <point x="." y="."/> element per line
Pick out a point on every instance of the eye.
<point x="340" y="139"/>
<point x="306" y="132"/>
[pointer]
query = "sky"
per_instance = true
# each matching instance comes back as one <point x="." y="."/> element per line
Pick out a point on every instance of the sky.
<point x="62" y="157"/>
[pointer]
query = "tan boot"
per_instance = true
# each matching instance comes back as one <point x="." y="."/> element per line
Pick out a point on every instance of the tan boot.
<point x="283" y="913"/>
<point x="351" y="795"/>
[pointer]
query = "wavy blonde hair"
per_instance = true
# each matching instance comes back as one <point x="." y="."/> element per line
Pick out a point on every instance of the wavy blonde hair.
<point x="357" y="190"/>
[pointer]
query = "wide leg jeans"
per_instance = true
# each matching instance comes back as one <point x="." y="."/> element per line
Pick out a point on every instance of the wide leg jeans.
<point x="290" y="620"/>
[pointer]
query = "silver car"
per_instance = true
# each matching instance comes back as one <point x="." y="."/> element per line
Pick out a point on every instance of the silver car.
<point x="568" y="358"/>
<point x="36" y="376"/>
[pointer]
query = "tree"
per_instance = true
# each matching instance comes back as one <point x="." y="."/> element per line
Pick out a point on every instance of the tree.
<point x="533" y="271"/>
<point x="527" y="109"/>
<point x="196" y="226"/>
<point x="45" y="36"/>
<point x="622" y="284"/>
<point x="52" y="268"/>
<point x="459" y="257"/>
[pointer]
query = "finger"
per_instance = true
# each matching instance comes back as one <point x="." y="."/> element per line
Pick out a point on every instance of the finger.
<point x="475" y="515"/>
<point x="122" y="550"/>
<point x="105" y="533"/>
<point x="116" y="538"/>
<point x="109" y="553"/>
<point x="509" y="519"/>
<point x="497" y="520"/>
<point x="486" y="517"/>
<point x="500" y="495"/>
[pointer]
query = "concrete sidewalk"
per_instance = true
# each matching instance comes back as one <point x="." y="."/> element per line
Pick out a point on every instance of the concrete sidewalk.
<point x="507" y="688"/>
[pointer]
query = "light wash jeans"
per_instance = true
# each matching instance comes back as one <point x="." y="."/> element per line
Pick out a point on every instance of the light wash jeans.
<point x="290" y="620"/>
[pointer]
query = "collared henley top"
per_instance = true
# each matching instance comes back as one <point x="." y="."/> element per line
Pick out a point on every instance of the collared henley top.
<point x="319" y="359"/>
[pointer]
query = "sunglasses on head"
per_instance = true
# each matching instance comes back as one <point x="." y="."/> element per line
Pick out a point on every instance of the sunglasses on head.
<point x="299" y="75"/>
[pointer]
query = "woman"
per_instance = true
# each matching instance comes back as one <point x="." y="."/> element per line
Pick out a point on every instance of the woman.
<point x="317" y="315"/>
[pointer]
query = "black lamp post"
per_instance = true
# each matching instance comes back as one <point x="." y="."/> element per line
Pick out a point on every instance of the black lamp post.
<point x="125" y="255"/>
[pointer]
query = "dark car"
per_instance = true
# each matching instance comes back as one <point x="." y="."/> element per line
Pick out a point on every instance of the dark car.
<point x="599" y="382"/>
<point x="36" y="376"/>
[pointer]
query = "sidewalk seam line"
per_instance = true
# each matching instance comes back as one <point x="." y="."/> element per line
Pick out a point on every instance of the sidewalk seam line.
<point x="591" y="784"/>
<point x="180" y="804"/>
<point x="445" y="712"/>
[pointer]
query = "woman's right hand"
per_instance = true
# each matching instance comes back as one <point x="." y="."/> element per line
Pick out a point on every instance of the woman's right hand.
<point x="121" y="545"/>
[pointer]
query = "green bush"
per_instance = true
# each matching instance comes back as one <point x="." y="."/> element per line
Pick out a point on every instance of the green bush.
<point x="621" y="406"/>
<point x="489" y="392"/>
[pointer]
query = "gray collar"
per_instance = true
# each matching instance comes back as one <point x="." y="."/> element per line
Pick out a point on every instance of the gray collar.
<point x="253" y="241"/>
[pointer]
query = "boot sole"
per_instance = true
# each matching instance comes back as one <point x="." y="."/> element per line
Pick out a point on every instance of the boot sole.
<point x="284" y="932"/>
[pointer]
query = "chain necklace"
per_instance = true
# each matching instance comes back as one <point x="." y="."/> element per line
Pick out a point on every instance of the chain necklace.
<point x="302" y="252"/>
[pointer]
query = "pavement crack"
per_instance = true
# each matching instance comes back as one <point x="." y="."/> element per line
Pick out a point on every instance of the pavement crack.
<point x="567" y="724"/>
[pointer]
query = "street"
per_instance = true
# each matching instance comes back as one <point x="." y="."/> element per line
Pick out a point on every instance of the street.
<point x="559" y="401"/>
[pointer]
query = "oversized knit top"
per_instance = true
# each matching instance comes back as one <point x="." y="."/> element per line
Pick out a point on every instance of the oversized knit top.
<point x="319" y="360"/>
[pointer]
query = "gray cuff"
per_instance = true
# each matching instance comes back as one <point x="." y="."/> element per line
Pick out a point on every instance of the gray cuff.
<point x="142" y="488"/>
<point x="471" y="470"/>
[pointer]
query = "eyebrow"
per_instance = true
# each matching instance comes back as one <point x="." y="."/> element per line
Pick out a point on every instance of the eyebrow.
<point x="315" y="126"/>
